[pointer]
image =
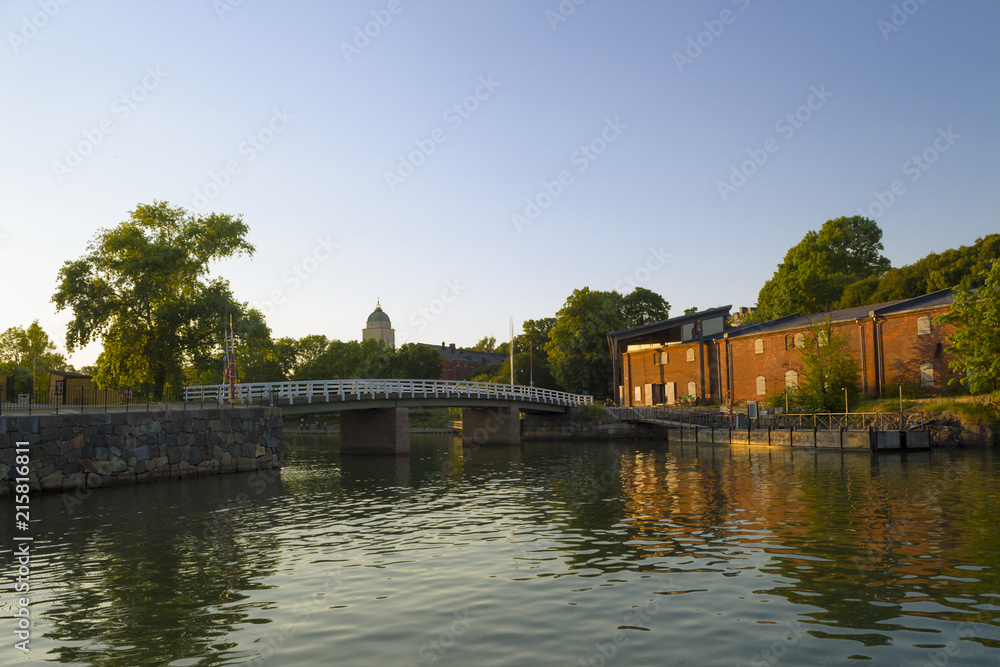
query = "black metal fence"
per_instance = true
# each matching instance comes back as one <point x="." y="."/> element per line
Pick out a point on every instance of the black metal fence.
<point x="855" y="421"/>
<point x="85" y="399"/>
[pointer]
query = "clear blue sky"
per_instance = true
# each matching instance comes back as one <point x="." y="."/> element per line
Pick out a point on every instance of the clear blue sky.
<point x="184" y="86"/>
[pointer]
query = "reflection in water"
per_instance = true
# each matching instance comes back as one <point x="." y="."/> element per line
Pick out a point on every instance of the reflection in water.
<point x="550" y="553"/>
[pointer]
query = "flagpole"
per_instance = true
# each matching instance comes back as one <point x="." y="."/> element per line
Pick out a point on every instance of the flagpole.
<point x="512" y="351"/>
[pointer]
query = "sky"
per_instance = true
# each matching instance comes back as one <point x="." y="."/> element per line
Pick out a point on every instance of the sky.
<point x="465" y="163"/>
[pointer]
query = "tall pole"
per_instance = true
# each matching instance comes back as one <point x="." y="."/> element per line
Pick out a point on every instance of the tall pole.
<point x="846" y="410"/>
<point x="531" y="365"/>
<point x="512" y="351"/>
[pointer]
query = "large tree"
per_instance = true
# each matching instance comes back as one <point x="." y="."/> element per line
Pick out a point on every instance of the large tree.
<point x="577" y="347"/>
<point x="144" y="289"/>
<point x="815" y="272"/>
<point x="643" y="306"/>
<point x="975" y="343"/>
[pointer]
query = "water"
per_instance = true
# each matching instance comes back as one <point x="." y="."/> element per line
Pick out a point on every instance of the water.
<point x="554" y="554"/>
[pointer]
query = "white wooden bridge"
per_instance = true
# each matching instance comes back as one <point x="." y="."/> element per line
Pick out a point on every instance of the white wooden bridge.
<point x="337" y="395"/>
<point x="375" y="413"/>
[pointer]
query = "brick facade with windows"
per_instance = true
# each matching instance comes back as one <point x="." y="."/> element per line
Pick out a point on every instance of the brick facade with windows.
<point x="895" y="343"/>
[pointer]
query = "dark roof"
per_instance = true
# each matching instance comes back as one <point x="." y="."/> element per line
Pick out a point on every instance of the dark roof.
<point x="672" y="322"/>
<point x="467" y="356"/>
<point x="67" y="374"/>
<point x="933" y="300"/>
<point x="655" y="327"/>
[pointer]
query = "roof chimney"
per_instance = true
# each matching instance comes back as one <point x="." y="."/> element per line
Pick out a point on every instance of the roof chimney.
<point x="452" y="346"/>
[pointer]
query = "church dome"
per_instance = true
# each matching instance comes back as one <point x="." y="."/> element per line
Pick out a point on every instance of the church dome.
<point x="378" y="316"/>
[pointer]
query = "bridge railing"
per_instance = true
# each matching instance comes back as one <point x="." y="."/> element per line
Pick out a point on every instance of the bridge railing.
<point x="326" y="391"/>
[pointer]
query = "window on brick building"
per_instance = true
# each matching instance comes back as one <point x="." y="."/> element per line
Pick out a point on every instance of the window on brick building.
<point x="789" y="342"/>
<point x="761" y="385"/>
<point x="638" y="394"/>
<point x="661" y="358"/>
<point x="692" y="389"/>
<point x="800" y="340"/>
<point x="690" y="354"/>
<point x="758" y="346"/>
<point x="791" y="380"/>
<point x="927" y="375"/>
<point x="923" y="326"/>
<point x="823" y="337"/>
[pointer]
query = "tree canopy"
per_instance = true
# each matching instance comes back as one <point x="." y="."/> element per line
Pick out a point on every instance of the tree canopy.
<point x="965" y="265"/>
<point x="815" y="272"/>
<point x="577" y="347"/>
<point x="341" y="360"/>
<point x="24" y="351"/>
<point x="975" y="343"/>
<point x="643" y="306"/>
<point x="144" y="289"/>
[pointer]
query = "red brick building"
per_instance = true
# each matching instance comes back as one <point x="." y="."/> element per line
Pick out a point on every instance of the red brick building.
<point x="895" y="343"/>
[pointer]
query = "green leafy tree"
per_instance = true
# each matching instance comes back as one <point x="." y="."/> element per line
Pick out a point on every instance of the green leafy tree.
<point x="975" y="342"/>
<point x="417" y="362"/>
<point x="815" y="273"/>
<point x="485" y="344"/>
<point x="965" y="265"/>
<point x="828" y="367"/>
<point x="643" y="306"/>
<point x="27" y="355"/>
<point x="577" y="347"/>
<point x="144" y="289"/>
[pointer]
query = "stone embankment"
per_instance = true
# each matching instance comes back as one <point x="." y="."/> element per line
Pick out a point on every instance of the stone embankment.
<point x="84" y="451"/>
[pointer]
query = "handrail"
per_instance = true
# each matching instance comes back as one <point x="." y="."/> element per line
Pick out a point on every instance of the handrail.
<point x="309" y="391"/>
<point x="827" y="421"/>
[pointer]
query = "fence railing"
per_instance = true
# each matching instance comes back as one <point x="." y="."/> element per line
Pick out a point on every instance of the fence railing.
<point x="84" y="399"/>
<point x="327" y="391"/>
<point x="860" y="421"/>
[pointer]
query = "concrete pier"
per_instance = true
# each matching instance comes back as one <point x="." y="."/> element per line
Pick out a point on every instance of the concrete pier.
<point x="488" y="427"/>
<point x="375" y="431"/>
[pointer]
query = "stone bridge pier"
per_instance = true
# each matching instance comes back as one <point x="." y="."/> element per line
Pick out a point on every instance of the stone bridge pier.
<point x="375" y="431"/>
<point x="491" y="427"/>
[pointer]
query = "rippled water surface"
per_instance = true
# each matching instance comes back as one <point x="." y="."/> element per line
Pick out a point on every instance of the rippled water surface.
<point x="549" y="554"/>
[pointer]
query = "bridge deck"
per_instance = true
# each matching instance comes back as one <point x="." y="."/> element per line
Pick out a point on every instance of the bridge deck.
<point x="359" y="394"/>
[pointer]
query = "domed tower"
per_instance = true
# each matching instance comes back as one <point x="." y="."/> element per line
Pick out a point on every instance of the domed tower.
<point x="380" y="328"/>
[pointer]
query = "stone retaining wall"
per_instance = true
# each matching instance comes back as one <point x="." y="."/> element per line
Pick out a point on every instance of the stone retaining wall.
<point x="70" y="452"/>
